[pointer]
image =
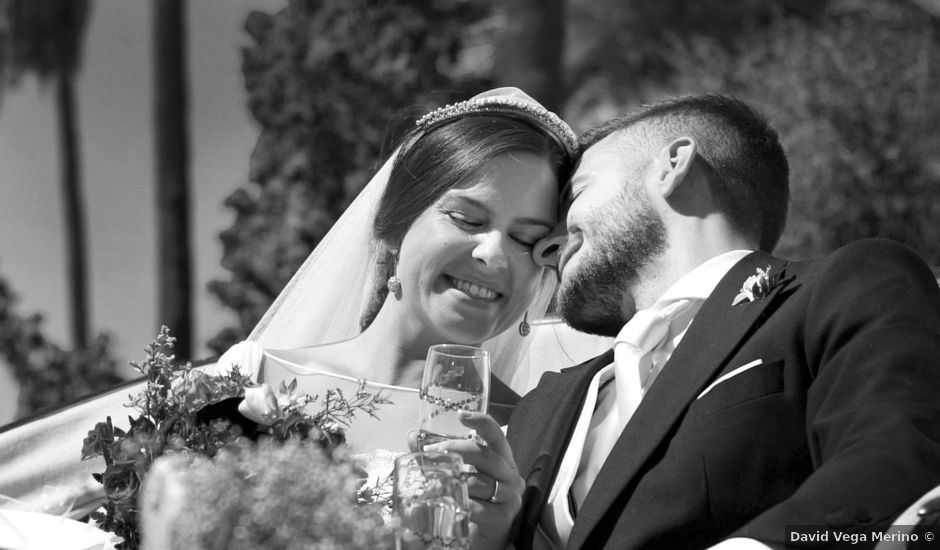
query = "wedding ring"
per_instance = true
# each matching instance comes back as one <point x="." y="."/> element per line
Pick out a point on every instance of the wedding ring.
<point x="495" y="492"/>
<point x="475" y="437"/>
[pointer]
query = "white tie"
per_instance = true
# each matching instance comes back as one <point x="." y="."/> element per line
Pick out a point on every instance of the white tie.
<point x="633" y="374"/>
<point x="633" y="353"/>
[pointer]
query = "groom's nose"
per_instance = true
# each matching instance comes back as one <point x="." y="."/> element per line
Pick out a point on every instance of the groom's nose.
<point x="545" y="252"/>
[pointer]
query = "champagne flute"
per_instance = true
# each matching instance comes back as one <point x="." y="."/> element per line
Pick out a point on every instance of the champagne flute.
<point x="456" y="378"/>
<point x="430" y="502"/>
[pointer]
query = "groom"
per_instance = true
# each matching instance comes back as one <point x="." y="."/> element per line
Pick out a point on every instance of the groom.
<point x="745" y="393"/>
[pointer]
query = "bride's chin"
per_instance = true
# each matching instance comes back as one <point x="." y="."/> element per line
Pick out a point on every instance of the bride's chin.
<point x="468" y="305"/>
<point x="463" y="327"/>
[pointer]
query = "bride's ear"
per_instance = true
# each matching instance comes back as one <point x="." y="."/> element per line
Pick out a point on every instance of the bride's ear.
<point x="390" y="249"/>
<point x="674" y="164"/>
<point x="386" y="259"/>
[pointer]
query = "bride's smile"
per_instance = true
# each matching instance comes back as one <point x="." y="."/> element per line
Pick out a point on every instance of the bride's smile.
<point x="474" y="290"/>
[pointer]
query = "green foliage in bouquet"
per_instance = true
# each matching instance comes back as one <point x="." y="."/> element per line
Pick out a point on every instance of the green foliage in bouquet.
<point x="172" y="420"/>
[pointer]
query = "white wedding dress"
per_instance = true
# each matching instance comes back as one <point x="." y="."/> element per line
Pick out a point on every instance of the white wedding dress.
<point x="374" y="441"/>
<point x="385" y="431"/>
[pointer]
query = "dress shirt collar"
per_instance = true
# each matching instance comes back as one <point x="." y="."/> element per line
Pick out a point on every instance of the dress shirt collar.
<point x="699" y="283"/>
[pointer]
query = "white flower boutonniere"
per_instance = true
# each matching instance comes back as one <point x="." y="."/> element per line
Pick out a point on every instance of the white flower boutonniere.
<point x="755" y="287"/>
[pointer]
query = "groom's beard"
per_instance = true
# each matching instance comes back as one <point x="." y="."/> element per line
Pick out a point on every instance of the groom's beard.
<point x="631" y="233"/>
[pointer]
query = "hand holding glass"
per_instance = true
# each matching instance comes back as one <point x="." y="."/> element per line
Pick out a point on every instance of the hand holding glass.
<point x="456" y="378"/>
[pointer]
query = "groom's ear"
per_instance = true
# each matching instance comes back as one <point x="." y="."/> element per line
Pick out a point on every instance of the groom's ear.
<point x="674" y="164"/>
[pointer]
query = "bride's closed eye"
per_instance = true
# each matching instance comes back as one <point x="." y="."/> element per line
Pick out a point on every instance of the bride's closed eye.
<point x="466" y="222"/>
<point x="461" y="219"/>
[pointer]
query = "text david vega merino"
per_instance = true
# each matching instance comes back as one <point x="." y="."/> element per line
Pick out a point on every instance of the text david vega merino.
<point x="826" y="535"/>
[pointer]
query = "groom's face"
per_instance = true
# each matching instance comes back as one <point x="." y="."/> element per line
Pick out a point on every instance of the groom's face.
<point x="613" y="232"/>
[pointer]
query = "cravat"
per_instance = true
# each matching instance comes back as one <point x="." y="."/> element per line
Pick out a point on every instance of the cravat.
<point x="633" y="374"/>
<point x="633" y="350"/>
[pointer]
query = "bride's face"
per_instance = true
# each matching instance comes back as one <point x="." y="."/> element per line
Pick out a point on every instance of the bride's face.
<point x="466" y="264"/>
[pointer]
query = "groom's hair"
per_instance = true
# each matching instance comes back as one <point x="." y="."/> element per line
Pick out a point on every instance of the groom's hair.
<point x="738" y="150"/>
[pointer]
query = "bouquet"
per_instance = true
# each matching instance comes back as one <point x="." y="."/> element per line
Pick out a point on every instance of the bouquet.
<point x="276" y="496"/>
<point x="186" y="412"/>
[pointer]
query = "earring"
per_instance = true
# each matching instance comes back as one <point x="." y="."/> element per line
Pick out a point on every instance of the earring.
<point x="394" y="283"/>
<point x="394" y="286"/>
<point x="524" y="328"/>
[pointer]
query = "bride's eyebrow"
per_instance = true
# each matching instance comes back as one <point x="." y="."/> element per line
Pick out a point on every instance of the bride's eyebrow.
<point x="536" y="221"/>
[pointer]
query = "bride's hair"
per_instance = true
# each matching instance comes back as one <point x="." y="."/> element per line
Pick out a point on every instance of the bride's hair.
<point x="430" y="163"/>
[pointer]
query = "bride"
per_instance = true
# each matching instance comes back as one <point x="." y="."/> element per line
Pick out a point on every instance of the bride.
<point x="451" y="218"/>
<point x="438" y="248"/>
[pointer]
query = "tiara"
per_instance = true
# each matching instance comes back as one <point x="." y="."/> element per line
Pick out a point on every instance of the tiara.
<point x="529" y="111"/>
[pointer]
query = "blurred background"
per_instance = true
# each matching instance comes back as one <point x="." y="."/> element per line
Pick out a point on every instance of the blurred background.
<point x="173" y="162"/>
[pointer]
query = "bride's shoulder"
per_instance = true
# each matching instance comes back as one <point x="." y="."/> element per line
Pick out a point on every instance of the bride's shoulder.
<point x="250" y="357"/>
<point x="328" y="359"/>
<point x="246" y="355"/>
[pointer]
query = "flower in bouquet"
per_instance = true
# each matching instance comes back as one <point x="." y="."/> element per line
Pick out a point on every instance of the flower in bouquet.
<point x="187" y="412"/>
<point x="121" y="482"/>
<point x="269" y="407"/>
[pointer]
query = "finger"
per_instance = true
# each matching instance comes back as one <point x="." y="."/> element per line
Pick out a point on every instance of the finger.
<point x="479" y="511"/>
<point x="412" y="438"/>
<point x="481" y="486"/>
<point x="485" y="513"/>
<point x="487" y="428"/>
<point x="488" y="515"/>
<point x="484" y="459"/>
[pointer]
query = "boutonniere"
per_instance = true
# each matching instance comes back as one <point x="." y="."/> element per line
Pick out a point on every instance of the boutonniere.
<point x="756" y="286"/>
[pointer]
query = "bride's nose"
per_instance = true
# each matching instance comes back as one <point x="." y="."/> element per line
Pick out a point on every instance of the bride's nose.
<point x="545" y="252"/>
<point x="491" y="250"/>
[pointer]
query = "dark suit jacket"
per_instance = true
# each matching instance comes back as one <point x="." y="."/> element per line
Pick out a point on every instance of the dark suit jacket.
<point x="839" y="427"/>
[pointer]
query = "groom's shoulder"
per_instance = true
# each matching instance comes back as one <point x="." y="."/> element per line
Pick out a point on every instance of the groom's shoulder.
<point x="869" y="276"/>
<point x="875" y="249"/>
<point x="872" y="258"/>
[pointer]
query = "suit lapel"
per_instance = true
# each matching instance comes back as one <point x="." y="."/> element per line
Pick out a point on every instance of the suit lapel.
<point x="540" y="437"/>
<point x="716" y="332"/>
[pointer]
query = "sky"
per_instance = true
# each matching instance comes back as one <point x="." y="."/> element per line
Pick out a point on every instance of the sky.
<point x="115" y="121"/>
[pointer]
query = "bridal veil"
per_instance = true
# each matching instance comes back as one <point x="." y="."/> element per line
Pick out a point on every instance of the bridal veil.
<point x="326" y="297"/>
